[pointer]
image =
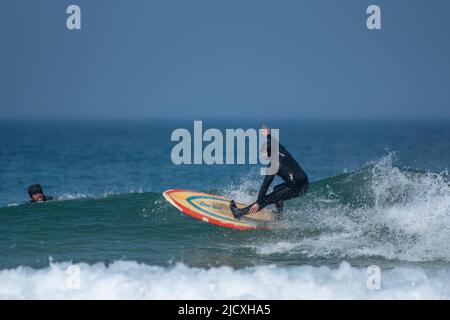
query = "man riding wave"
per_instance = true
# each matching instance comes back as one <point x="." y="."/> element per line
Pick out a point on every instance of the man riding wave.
<point x="295" y="182"/>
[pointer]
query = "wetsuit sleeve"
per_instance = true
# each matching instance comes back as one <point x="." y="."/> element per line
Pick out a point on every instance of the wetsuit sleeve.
<point x="268" y="178"/>
<point x="281" y="149"/>
<point x="264" y="187"/>
<point x="269" y="145"/>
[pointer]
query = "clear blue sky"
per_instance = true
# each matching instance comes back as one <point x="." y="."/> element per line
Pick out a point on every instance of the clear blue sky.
<point x="216" y="58"/>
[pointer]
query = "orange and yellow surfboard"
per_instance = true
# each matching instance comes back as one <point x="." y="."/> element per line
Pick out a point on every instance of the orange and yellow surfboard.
<point x="216" y="210"/>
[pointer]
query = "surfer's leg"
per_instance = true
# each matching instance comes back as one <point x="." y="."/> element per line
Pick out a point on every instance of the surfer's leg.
<point x="280" y="207"/>
<point x="280" y="204"/>
<point x="279" y="187"/>
<point x="279" y="195"/>
<point x="282" y="193"/>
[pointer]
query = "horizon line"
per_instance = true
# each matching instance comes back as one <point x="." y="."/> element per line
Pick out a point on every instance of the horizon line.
<point x="267" y="119"/>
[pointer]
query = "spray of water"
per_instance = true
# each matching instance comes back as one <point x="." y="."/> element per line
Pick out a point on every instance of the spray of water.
<point x="380" y="210"/>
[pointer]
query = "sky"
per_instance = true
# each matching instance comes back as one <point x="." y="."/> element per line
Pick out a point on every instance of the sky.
<point x="224" y="59"/>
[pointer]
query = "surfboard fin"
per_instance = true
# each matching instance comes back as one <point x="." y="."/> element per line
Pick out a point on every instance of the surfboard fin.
<point x="238" y="213"/>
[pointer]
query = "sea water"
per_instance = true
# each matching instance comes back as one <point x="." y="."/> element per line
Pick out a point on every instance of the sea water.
<point x="379" y="196"/>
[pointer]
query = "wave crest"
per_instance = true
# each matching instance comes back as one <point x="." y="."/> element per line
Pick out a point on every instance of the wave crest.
<point x="380" y="210"/>
<point x="131" y="280"/>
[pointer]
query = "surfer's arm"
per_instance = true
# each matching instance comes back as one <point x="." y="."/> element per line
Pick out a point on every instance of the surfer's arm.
<point x="264" y="187"/>
<point x="281" y="150"/>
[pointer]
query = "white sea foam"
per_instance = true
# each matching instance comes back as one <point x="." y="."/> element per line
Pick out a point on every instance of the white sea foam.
<point x="105" y="194"/>
<point x="73" y="196"/>
<point x="247" y="188"/>
<point x="406" y="217"/>
<point x="130" y="280"/>
<point x="13" y="204"/>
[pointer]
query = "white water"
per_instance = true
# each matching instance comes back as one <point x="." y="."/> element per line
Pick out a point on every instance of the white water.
<point x="130" y="280"/>
<point x="105" y="194"/>
<point x="408" y="219"/>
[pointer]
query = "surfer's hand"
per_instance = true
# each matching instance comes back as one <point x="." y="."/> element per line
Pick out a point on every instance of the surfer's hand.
<point x="254" y="208"/>
<point x="265" y="131"/>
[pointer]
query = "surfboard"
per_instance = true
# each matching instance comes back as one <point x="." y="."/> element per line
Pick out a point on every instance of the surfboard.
<point x="216" y="210"/>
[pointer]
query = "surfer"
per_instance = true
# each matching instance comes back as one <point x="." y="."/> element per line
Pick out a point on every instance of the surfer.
<point x="295" y="183"/>
<point x="37" y="194"/>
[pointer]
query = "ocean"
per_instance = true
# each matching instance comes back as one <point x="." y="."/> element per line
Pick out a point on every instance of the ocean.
<point x="379" y="196"/>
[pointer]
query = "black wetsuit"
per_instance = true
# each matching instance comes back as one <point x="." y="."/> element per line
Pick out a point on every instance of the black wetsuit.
<point x="295" y="184"/>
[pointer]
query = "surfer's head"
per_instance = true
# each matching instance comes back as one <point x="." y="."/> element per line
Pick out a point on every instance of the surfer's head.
<point x="36" y="193"/>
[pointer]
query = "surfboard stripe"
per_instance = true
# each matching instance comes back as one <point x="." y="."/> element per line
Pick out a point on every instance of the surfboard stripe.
<point x="184" y="200"/>
<point x="211" y="220"/>
<point x="204" y="210"/>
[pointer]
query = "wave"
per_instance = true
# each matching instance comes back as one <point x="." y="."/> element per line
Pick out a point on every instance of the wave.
<point x="80" y="195"/>
<point x="132" y="280"/>
<point x="380" y="212"/>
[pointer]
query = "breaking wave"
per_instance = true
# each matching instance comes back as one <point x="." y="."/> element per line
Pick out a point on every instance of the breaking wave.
<point x="131" y="280"/>
<point x="379" y="214"/>
<point x="380" y="210"/>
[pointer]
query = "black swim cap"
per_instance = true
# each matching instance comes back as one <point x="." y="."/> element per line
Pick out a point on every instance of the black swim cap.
<point x="35" y="188"/>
